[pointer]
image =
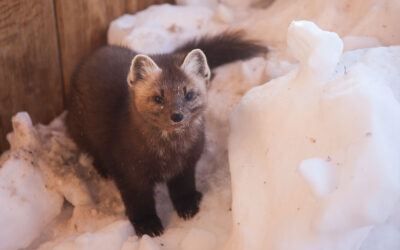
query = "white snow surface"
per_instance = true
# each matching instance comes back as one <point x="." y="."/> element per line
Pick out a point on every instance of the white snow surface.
<point x="27" y="204"/>
<point x="317" y="149"/>
<point x="313" y="146"/>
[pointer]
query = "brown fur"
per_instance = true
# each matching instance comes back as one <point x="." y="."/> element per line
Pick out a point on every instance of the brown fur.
<point x="116" y="115"/>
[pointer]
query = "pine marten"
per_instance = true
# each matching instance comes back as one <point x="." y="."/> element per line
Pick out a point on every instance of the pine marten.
<point x="142" y="119"/>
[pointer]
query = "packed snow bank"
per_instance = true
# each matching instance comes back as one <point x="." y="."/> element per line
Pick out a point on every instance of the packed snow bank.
<point x="27" y="203"/>
<point x="361" y="24"/>
<point x="367" y="22"/>
<point x="42" y="168"/>
<point x="173" y="26"/>
<point x="317" y="149"/>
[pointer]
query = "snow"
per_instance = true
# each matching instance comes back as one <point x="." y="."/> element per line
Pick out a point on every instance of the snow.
<point x="28" y="205"/>
<point x="161" y="34"/>
<point x="320" y="175"/>
<point x="198" y="239"/>
<point x="338" y="133"/>
<point x="109" y="238"/>
<point x="312" y="160"/>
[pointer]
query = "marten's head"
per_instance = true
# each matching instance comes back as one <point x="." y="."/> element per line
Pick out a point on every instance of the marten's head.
<point x="169" y="91"/>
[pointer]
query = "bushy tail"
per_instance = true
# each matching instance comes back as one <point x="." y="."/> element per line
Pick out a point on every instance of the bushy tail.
<point x="224" y="48"/>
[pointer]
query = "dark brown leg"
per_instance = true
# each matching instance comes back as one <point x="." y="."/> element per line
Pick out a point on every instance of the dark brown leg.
<point x="183" y="193"/>
<point x="140" y="207"/>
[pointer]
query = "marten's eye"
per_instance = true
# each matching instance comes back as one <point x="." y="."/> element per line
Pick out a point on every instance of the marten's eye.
<point x="189" y="96"/>
<point x="158" y="99"/>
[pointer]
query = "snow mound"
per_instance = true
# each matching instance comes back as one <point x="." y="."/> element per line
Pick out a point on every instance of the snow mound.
<point x="317" y="149"/>
<point x="42" y="168"/>
<point x="28" y="205"/>
<point x="173" y="26"/>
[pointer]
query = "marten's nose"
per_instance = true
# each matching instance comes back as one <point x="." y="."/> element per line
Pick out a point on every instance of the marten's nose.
<point x="177" y="117"/>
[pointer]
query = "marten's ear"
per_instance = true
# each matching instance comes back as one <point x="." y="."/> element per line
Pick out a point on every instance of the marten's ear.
<point x="195" y="64"/>
<point x="142" y="66"/>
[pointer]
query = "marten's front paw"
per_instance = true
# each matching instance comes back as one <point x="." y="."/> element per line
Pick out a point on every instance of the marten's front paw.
<point x="188" y="206"/>
<point x="149" y="225"/>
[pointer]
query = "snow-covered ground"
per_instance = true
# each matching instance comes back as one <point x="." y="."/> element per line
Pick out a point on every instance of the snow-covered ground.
<point x="314" y="152"/>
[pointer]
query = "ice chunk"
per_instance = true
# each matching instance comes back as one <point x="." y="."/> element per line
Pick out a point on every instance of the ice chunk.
<point x="343" y="116"/>
<point x="317" y="51"/>
<point x="24" y="135"/>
